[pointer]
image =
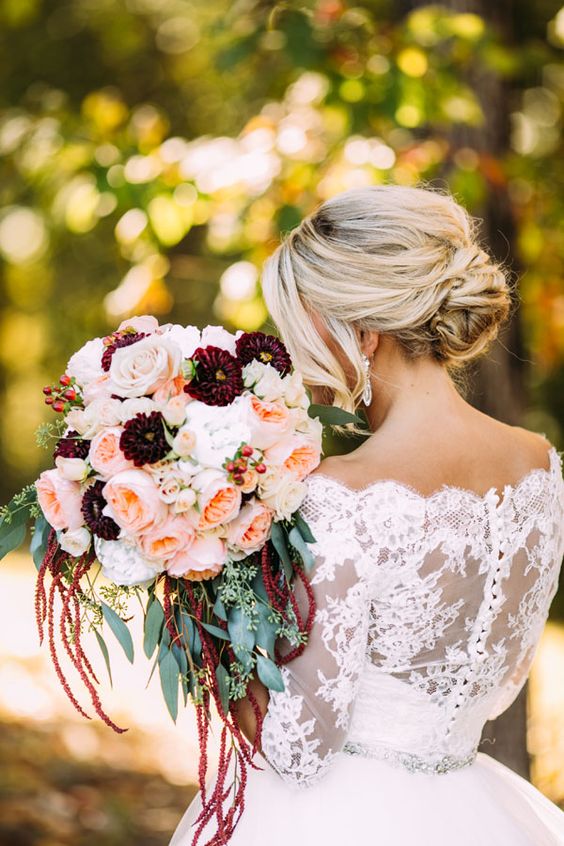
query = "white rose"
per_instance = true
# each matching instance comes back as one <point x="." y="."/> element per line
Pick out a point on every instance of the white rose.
<point x="137" y="405"/>
<point x="100" y="413"/>
<point x="73" y="469"/>
<point x="310" y="426"/>
<point x="295" y="395"/>
<point x="185" y="337"/>
<point x="76" y="541"/>
<point x="86" y="364"/>
<point x="124" y="564"/>
<point x="184" y="441"/>
<point x="185" y="500"/>
<point x="145" y="366"/>
<point x="169" y="487"/>
<point x="145" y="323"/>
<point x="217" y="336"/>
<point x="206" y="477"/>
<point x="265" y="381"/>
<point x="285" y="497"/>
<point x="220" y="431"/>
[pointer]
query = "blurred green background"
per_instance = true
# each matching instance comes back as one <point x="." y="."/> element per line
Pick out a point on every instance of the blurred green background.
<point x="152" y="152"/>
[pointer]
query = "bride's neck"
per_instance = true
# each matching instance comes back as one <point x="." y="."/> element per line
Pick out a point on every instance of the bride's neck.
<point x="409" y="394"/>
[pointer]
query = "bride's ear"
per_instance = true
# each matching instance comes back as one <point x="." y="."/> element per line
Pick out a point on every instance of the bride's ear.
<point x="368" y="341"/>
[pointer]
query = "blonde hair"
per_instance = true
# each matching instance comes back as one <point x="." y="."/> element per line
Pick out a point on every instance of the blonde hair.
<point x="402" y="261"/>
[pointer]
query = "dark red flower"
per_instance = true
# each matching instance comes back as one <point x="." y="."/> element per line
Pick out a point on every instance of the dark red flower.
<point x="93" y="503"/>
<point x="143" y="439"/>
<point x="264" y="348"/>
<point x="118" y="340"/>
<point x="72" y="446"/>
<point x="218" y="378"/>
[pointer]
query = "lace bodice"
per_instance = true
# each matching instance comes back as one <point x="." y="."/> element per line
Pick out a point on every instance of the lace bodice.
<point x="429" y="612"/>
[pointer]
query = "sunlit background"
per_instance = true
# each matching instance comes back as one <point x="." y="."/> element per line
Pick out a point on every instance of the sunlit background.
<point x="151" y="154"/>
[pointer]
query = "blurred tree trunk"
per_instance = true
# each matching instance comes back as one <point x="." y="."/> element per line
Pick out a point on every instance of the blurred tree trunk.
<point x="498" y="383"/>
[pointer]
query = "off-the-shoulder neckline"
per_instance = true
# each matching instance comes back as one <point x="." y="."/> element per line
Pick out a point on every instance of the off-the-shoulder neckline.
<point x="491" y="494"/>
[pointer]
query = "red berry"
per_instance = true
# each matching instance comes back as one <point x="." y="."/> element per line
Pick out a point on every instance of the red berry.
<point x="47" y="390"/>
<point x="230" y="467"/>
<point x="70" y="394"/>
<point x="65" y="379"/>
<point x="247" y="451"/>
<point x="260" y="468"/>
<point x="58" y="405"/>
<point x="48" y="400"/>
<point x="238" y="479"/>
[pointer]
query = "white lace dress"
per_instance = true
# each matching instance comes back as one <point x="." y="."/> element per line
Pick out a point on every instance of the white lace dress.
<point x="430" y="609"/>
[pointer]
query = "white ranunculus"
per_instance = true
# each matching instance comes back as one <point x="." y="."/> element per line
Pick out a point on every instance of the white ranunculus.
<point x="185" y="500"/>
<point x="124" y="564"/>
<point x="86" y="364"/>
<point x="186" y="337"/>
<point x="310" y="426"/>
<point x="144" y="366"/>
<point x="264" y="380"/>
<point x="217" y="336"/>
<point x="73" y="469"/>
<point x="136" y="405"/>
<point x="220" y="431"/>
<point x="284" y="496"/>
<point x="76" y="541"/>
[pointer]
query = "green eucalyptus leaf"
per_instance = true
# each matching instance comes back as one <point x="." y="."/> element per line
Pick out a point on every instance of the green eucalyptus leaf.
<point x="219" y="609"/>
<point x="280" y="542"/>
<point x="105" y="653"/>
<point x="180" y="656"/>
<point x="154" y="622"/>
<point x="38" y="545"/>
<point x="168" y="671"/>
<point x="304" y="528"/>
<point x="222" y="677"/>
<point x="330" y="415"/>
<point x="12" y="535"/>
<point x="266" y="631"/>
<point x="299" y="543"/>
<point x="120" y="630"/>
<point x="269" y="674"/>
<point x="259" y="588"/>
<point x="215" y="631"/>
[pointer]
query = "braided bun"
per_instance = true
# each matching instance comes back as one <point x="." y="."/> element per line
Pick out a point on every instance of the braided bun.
<point x="401" y="261"/>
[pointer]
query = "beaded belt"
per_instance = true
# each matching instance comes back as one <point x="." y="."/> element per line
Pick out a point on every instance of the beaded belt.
<point x="412" y="763"/>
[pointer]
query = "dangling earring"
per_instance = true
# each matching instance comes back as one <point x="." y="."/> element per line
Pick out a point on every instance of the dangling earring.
<point x="367" y="393"/>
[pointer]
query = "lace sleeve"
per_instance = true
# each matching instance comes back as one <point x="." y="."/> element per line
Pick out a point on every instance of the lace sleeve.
<point x="306" y="724"/>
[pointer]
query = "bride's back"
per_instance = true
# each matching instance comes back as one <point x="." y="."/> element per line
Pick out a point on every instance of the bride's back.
<point x="458" y="584"/>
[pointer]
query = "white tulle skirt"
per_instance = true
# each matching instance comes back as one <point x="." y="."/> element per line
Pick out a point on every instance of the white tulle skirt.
<point x="366" y="801"/>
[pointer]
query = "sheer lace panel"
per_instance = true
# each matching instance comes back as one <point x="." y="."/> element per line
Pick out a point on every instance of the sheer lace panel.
<point x="430" y="609"/>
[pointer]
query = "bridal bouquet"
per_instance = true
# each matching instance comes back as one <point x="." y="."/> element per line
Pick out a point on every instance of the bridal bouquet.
<point x="180" y="457"/>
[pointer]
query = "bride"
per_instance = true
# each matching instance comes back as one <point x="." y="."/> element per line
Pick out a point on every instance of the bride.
<point x="438" y="546"/>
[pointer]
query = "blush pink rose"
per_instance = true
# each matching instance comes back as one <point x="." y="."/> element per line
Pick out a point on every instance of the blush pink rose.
<point x="105" y="456"/>
<point x="268" y="422"/>
<point x="299" y="456"/>
<point x="249" y="530"/>
<point x="203" y="559"/>
<point x="134" y="502"/>
<point x="144" y="323"/>
<point x="99" y="387"/>
<point x="171" y="537"/>
<point x="220" y="502"/>
<point x="60" y="500"/>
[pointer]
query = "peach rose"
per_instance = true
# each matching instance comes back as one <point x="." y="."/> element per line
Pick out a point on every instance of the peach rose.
<point x="250" y="481"/>
<point x="203" y="559"/>
<point x="105" y="456"/>
<point x="134" y="502"/>
<point x="60" y="500"/>
<point x="268" y="422"/>
<point x="249" y="530"/>
<point x="172" y="388"/>
<point x="219" y="502"/>
<point x="299" y="456"/>
<point x="144" y="323"/>
<point x="168" y="539"/>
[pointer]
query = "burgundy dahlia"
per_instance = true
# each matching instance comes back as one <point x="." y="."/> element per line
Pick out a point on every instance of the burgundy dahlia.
<point x="72" y="446"/>
<point x="143" y="439"/>
<point x="116" y="341"/>
<point x="218" y="378"/>
<point x="264" y="348"/>
<point x="93" y="503"/>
